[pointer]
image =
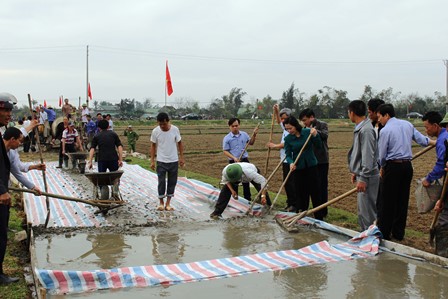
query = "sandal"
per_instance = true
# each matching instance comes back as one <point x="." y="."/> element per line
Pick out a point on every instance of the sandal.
<point x="169" y="208"/>
<point x="160" y="208"/>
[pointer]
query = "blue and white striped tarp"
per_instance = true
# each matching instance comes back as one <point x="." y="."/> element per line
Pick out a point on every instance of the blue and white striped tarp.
<point x="63" y="282"/>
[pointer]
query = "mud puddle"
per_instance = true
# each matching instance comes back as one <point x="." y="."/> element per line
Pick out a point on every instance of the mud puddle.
<point x="383" y="276"/>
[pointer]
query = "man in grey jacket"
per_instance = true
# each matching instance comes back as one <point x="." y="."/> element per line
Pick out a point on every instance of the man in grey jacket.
<point x="362" y="163"/>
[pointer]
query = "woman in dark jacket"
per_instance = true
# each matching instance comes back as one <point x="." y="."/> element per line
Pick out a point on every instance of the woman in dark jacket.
<point x="304" y="174"/>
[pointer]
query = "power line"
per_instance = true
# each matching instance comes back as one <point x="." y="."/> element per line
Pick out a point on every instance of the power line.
<point x="137" y="52"/>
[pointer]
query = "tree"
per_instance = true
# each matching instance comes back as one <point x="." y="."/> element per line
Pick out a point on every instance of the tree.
<point x="292" y="98"/>
<point x="288" y="99"/>
<point x="216" y="109"/>
<point x="233" y="101"/>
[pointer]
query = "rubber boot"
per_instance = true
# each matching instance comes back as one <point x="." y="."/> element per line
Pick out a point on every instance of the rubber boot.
<point x="65" y="164"/>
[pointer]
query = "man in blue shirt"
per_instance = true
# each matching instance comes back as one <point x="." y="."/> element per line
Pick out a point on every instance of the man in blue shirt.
<point x="394" y="158"/>
<point x="432" y="122"/>
<point x="234" y="147"/>
<point x="90" y="130"/>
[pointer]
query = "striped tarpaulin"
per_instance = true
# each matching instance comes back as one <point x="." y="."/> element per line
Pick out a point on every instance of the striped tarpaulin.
<point x="138" y="187"/>
<point x="363" y="245"/>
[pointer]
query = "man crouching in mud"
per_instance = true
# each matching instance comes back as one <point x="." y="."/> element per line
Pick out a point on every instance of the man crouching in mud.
<point x="234" y="173"/>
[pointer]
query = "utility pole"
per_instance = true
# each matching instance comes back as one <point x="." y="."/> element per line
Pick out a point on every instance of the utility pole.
<point x="87" y="77"/>
<point x="446" y="94"/>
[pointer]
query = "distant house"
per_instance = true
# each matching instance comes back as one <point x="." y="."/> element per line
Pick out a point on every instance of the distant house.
<point x="113" y="110"/>
<point x="150" y="113"/>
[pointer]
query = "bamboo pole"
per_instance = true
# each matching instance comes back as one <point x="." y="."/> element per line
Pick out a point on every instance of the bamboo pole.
<point x="247" y="144"/>
<point x="89" y="202"/>
<point x="269" y="149"/>
<point x="39" y="147"/>
<point x="290" y="171"/>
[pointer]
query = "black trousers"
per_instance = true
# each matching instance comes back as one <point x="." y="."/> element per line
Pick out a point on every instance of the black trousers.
<point x="323" y="178"/>
<point x="226" y="194"/>
<point x="290" y="188"/>
<point x="246" y="186"/>
<point x="393" y="201"/>
<point x="4" y="219"/>
<point x="307" y="184"/>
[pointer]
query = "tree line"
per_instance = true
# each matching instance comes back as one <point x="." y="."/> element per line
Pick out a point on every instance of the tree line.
<point x="327" y="102"/>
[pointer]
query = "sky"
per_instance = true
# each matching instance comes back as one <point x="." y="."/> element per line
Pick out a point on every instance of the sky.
<point x="213" y="46"/>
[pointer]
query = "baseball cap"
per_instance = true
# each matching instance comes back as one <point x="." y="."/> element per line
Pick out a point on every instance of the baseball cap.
<point x="234" y="172"/>
<point x="130" y="126"/>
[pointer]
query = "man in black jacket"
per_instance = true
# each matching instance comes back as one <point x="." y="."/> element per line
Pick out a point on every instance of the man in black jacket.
<point x="309" y="119"/>
<point x="6" y="105"/>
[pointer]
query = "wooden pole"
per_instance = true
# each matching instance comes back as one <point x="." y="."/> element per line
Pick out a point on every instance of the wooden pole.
<point x="89" y="202"/>
<point x="269" y="149"/>
<point x="247" y="144"/>
<point x="261" y="190"/>
<point x="289" y="173"/>
<point x="39" y="147"/>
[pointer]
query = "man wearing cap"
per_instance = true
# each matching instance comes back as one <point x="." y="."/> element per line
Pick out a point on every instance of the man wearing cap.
<point x="132" y="138"/>
<point x="70" y="141"/>
<point x="234" y="173"/>
<point x="84" y="112"/>
<point x="6" y="107"/>
<point x="289" y="185"/>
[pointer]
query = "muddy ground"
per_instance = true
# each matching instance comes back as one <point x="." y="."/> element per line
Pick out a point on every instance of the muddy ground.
<point x="203" y="154"/>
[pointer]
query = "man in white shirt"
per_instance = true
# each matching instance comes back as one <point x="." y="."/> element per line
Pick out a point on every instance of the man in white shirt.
<point x="234" y="173"/>
<point x="166" y="142"/>
<point x="12" y="139"/>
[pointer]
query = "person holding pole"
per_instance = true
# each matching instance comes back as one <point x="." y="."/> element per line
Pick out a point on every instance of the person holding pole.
<point x="234" y="147"/>
<point x="394" y="157"/>
<point x="362" y="163"/>
<point x="304" y="173"/>
<point x="308" y="118"/>
<point x="234" y="173"/>
<point x="12" y="138"/>
<point x="289" y="185"/>
<point x="6" y="106"/>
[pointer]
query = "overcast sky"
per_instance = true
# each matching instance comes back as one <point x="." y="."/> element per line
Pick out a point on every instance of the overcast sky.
<point x="212" y="46"/>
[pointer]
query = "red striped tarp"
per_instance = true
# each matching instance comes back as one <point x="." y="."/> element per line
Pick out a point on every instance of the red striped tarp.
<point x="63" y="282"/>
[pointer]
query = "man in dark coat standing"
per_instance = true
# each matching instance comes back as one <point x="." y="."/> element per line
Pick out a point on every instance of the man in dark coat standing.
<point x="6" y="105"/>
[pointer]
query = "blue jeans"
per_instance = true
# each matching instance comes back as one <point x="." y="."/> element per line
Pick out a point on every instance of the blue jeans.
<point x="164" y="169"/>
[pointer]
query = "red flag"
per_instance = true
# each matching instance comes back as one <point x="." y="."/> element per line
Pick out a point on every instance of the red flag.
<point x="60" y="101"/>
<point x="169" y="86"/>
<point x="89" y="91"/>
<point x="45" y="104"/>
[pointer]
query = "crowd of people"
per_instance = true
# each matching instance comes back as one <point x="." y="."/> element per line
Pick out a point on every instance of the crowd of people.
<point x="379" y="160"/>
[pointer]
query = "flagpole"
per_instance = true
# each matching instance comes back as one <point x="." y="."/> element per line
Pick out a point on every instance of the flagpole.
<point x="87" y="77"/>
